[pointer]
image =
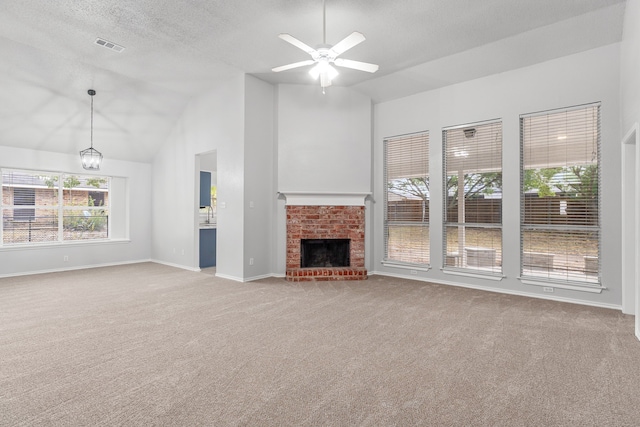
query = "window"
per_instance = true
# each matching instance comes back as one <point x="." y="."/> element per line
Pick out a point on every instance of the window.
<point x="560" y="188"/>
<point x="64" y="207"/>
<point x="406" y="221"/>
<point x="472" y="157"/>
<point x="24" y="197"/>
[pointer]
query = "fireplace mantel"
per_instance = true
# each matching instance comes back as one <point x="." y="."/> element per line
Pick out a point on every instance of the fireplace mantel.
<point x="306" y="198"/>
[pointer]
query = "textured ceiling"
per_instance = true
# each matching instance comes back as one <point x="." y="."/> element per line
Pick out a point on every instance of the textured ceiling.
<point x="176" y="48"/>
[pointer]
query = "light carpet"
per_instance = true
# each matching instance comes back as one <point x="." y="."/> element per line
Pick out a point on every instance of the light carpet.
<point x="148" y="344"/>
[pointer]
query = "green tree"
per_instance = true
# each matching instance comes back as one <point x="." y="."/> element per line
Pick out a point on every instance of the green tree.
<point x="70" y="181"/>
<point x="540" y="179"/>
<point x="96" y="182"/>
<point x="585" y="185"/>
<point x="475" y="184"/>
<point x="572" y="181"/>
<point x="416" y="187"/>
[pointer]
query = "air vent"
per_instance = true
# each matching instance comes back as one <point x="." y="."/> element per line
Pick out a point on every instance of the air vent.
<point x="109" y="45"/>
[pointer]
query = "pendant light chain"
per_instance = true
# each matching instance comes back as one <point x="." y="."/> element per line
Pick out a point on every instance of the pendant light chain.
<point x="91" y="121"/>
<point x="91" y="158"/>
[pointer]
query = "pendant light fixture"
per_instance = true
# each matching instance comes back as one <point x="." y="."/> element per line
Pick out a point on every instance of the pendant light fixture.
<point x="91" y="158"/>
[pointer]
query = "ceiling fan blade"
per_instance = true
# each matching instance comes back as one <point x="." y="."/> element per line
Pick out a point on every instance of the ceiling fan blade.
<point x="297" y="43"/>
<point x="356" y="65"/>
<point x="348" y="42"/>
<point x="294" y="65"/>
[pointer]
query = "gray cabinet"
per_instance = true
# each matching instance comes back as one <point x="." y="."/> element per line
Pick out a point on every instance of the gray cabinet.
<point x="208" y="238"/>
<point x="205" y="189"/>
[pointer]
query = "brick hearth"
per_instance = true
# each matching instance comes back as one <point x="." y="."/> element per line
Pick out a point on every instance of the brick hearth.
<point x="325" y="222"/>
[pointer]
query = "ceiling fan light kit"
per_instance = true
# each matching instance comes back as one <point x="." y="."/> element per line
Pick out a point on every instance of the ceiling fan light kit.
<point x="325" y="55"/>
<point x="324" y="70"/>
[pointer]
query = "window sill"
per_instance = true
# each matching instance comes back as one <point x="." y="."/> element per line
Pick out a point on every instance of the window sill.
<point x="595" y="288"/>
<point x="45" y="245"/>
<point x="478" y="275"/>
<point x="416" y="267"/>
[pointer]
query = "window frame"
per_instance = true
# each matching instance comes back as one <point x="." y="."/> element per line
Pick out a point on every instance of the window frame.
<point x="423" y="137"/>
<point x="457" y="263"/>
<point x="555" y="281"/>
<point x="58" y="206"/>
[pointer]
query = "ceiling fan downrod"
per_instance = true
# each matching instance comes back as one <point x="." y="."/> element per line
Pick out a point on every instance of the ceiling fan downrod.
<point x="324" y="22"/>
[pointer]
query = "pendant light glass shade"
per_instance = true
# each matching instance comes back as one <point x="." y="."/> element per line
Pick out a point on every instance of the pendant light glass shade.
<point x="91" y="158"/>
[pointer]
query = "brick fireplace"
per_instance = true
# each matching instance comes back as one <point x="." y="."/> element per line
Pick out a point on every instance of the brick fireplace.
<point x="323" y="221"/>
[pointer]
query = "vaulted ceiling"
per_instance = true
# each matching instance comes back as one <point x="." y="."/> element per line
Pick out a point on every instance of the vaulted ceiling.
<point x="176" y="48"/>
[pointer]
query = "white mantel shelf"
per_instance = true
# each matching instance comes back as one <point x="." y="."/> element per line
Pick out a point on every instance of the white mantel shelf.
<point x="305" y="198"/>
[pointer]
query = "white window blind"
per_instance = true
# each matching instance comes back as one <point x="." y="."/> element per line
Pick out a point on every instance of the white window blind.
<point x="560" y="188"/>
<point x="63" y="207"/>
<point x="472" y="156"/>
<point x="406" y="176"/>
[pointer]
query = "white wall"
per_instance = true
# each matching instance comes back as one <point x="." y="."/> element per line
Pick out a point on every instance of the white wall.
<point x="213" y="121"/>
<point x="630" y="117"/>
<point x="260" y="194"/>
<point x="209" y="163"/>
<point x="323" y="145"/>
<point x="630" y="66"/>
<point x="132" y="233"/>
<point x="324" y="141"/>
<point x="577" y="79"/>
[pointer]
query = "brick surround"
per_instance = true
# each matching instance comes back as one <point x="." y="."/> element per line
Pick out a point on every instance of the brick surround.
<point x="325" y="222"/>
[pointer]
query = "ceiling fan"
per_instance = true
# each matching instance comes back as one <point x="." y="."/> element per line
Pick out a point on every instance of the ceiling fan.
<point x="325" y="55"/>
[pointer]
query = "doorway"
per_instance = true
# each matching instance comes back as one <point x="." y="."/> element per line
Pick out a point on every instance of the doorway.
<point x="206" y="211"/>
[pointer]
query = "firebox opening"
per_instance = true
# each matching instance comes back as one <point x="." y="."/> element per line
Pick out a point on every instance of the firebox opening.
<point x="324" y="253"/>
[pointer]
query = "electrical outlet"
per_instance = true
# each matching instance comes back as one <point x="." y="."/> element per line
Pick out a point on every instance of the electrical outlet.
<point x="250" y="261"/>
<point x="252" y="205"/>
<point x="547" y="289"/>
<point x="66" y="258"/>
<point x="223" y="205"/>
<point x="414" y="271"/>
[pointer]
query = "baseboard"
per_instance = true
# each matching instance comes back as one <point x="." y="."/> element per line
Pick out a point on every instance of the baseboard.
<point x="235" y="279"/>
<point x="170" y="264"/>
<point x="503" y="291"/>
<point x="263" y="276"/>
<point x="80" y="267"/>
<point x="113" y="264"/>
<point x="222" y="276"/>
<point x="250" y="279"/>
